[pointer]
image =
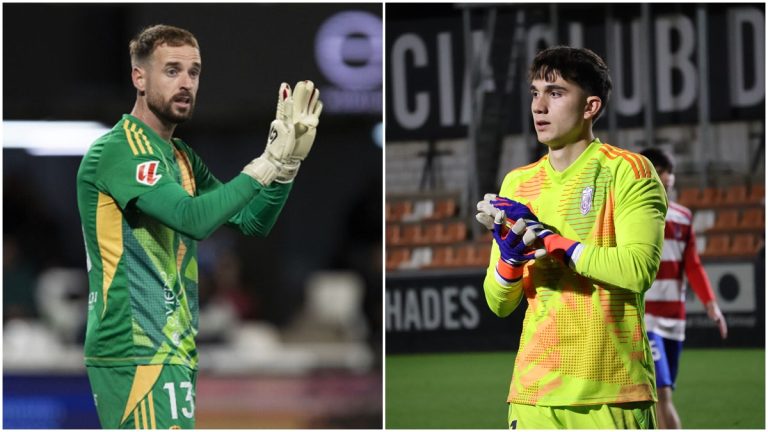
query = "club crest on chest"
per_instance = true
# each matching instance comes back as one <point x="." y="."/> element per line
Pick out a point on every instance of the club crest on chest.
<point x="586" y="199"/>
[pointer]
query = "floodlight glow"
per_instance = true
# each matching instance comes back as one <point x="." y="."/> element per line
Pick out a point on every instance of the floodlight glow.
<point x="52" y="138"/>
<point x="377" y="134"/>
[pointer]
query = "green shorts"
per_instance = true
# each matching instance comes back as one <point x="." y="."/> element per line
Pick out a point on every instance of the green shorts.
<point x="634" y="415"/>
<point x="144" y="397"/>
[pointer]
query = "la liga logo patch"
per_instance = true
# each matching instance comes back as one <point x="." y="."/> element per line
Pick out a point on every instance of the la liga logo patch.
<point x="146" y="173"/>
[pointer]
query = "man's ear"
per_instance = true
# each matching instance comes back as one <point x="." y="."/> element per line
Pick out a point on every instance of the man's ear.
<point x="592" y="107"/>
<point x="138" y="76"/>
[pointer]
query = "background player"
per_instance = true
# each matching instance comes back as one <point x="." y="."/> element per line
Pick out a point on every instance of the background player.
<point x="584" y="360"/>
<point x="145" y="199"/>
<point x="665" y="301"/>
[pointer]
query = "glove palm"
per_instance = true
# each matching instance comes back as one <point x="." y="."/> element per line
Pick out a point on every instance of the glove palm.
<point x="306" y="116"/>
<point x="277" y="163"/>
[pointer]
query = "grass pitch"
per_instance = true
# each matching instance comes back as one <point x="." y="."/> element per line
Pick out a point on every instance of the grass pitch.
<point x="716" y="389"/>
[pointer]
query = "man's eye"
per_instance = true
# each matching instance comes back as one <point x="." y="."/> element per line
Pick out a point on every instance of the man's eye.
<point x="556" y="94"/>
<point x="172" y="72"/>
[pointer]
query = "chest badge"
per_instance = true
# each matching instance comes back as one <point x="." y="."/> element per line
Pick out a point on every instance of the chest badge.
<point x="586" y="199"/>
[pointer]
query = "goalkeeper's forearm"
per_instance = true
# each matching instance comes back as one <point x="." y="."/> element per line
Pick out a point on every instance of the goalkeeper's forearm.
<point x="502" y="292"/>
<point x="631" y="267"/>
<point x="502" y="300"/>
<point x="260" y="215"/>
<point x="198" y="216"/>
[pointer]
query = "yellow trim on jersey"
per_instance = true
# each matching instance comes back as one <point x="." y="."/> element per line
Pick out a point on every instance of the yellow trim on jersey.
<point x="151" y="402"/>
<point x="136" y="419"/>
<point x="185" y="167"/>
<point x="137" y="138"/>
<point x="126" y="128"/>
<point x="145" y="378"/>
<point x="180" y="256"/>
<point x="109" y="235"/>
<point x="146" y="141"/>
<point x="144" y="420"/>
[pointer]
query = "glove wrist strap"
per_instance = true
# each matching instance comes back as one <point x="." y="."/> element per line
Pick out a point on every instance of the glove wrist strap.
<point x="567" y="250"/>
<point x="265" y="169"/>
<point x="507" y="274"/>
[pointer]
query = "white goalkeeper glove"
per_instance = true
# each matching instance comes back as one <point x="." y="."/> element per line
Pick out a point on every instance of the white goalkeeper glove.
<point x="306" y="116"/>
<point x="486" y="212"/>
<point x="277" y="163"/>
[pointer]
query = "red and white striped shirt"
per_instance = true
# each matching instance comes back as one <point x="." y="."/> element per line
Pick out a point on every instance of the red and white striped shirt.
<point x="665" y="300"/>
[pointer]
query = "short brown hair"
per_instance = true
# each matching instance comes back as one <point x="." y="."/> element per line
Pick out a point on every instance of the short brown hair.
<point x="144" y="44"/>
<point x="577" y="65"/>
<point x="660" y="159"/>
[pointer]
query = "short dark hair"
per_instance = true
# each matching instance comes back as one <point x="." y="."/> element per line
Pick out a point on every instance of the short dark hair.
<point x="660" y="159"/>
<point x="577" y="65"/>
<point x="144" y="44"/>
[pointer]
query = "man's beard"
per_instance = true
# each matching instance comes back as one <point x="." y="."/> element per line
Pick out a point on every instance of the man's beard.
<point x="164" y="109"/>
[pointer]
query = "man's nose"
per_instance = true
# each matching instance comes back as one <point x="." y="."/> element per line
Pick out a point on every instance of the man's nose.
<point x="538" y="105"/>
<point x="187" y="82"/>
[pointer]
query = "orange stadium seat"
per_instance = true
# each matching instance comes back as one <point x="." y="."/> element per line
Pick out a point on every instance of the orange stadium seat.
<point x="757" y="194"/>
<point x="456" y="231"/>
<point x="482" y="254"/>
<point x="689" y="197"/>
<point x="709" y="197"/>
<point x="412" y="234"/>
<point x="734" y="195"/>
<point x="460" y="256"/>
<point x="476" y="255"/>
<point x="444" y="208"/>
<point x="718" y="245"/>
<point x="442" y="257"/>
<point x="396" y="256"/>
<point x="433" y="233"/>
<point x="753" y="218"/>
<point x="726" y="220"/>
<point x="393" y="235"/>
<point x="744" y="244"/>
<point x="396" y="210"/>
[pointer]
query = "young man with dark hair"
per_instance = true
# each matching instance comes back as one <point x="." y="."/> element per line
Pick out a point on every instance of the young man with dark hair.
<point x="145" y="200"/>
<point x="582" y="246"/>
<point x="665" y="301"/>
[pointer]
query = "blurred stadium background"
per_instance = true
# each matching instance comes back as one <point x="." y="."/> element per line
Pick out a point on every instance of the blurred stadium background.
<point x="458" y="120"/>
<point x="290" y="325"/>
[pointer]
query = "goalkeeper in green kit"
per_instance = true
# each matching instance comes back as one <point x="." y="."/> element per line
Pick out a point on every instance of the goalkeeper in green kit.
<point x="145" y="199"/>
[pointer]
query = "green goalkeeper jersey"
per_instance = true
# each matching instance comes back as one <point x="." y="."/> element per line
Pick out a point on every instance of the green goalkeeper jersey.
<point x="583" y="340"/>
<point x="144" y="202"/>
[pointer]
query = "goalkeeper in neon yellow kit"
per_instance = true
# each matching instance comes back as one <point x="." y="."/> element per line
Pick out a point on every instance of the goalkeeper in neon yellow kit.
<point x="578" y="234"/>
<point x="145" y="199"/>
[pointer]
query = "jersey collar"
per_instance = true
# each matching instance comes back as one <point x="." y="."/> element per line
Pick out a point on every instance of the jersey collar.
<point x="576" y="166"/>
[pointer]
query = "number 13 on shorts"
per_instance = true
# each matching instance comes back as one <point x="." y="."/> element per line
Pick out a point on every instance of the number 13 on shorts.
<point x="188" y="409"/>
<point x="145" y="396"/>
<point x="170" y="404"/>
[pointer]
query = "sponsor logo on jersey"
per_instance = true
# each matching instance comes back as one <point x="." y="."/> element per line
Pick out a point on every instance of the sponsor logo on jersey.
<point x="586" y="199"/>
<point x="146" y="173"/>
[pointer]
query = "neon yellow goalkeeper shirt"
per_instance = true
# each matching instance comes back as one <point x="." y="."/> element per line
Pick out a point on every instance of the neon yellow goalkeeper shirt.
<point x="583" y="340"/>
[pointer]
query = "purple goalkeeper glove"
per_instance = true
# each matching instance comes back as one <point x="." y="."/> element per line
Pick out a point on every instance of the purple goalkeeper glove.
<point x="513" y="209"/>
<point x="492" y="204"/>
<point x="513" y="247"/>
<point x="555" y="245"/>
